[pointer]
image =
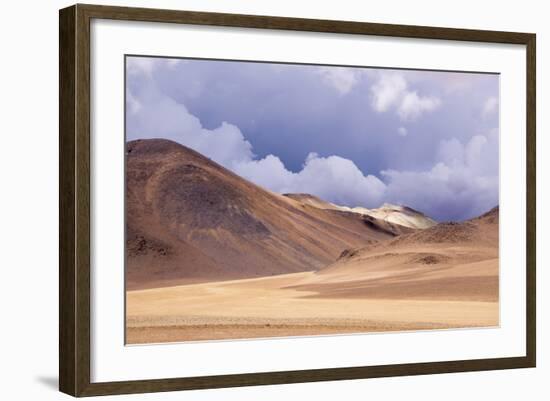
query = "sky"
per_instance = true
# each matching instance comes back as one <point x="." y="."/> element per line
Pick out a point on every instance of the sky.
<point x="351" y="135"/>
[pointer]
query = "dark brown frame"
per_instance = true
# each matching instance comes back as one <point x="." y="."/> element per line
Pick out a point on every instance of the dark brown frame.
<point x="74" y="199"/>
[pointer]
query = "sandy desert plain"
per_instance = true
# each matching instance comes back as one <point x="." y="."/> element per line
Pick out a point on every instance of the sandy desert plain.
<point x="212" y="256"/>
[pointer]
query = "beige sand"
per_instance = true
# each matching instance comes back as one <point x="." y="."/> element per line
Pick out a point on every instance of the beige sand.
<point x="387" y="294"/>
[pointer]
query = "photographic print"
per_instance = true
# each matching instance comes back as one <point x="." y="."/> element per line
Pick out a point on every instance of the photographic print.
<point x="279" y="200"/>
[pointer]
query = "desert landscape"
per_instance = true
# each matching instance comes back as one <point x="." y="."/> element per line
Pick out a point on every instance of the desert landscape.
<point x="212" y="256"/>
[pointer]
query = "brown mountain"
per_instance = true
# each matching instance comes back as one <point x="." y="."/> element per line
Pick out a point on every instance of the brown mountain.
<point x="190" y="219"/>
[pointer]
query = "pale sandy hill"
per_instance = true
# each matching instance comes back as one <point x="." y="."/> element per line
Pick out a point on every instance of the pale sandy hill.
<point x="394" y="214"/>
<point x="397" y="214"/>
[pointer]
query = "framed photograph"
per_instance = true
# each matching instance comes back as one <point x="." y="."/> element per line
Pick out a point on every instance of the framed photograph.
<point x="249" y="200"/>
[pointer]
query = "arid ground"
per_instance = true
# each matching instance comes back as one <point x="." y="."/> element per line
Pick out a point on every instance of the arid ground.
<point x="212" y="256"/>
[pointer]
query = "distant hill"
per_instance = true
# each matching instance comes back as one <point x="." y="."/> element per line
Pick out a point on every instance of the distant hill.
<point x="480" y="230"/>
<point x="395" y="214"/>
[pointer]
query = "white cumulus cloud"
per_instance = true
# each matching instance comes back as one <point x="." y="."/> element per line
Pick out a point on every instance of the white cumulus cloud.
<point x="490" y="106"/>
<point x="332" y="178"/>
<point x="138" y="65"/>
<point x="413" y="106"/>
<point x="391" y="92"/>
<point x="342" y="79"/>
<point x="387" y="91"/>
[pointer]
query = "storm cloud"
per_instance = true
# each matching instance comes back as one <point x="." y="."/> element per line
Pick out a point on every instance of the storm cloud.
<point x="353" y="136"/>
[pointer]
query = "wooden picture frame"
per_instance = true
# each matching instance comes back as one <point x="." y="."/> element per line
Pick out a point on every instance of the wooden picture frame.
<point x="74" y="203"/>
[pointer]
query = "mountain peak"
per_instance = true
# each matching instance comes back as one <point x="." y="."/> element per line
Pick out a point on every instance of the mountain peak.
<point x="148" y="146"/>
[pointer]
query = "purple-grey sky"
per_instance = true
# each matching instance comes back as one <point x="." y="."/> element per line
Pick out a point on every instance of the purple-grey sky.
<point x="353" y="136"/>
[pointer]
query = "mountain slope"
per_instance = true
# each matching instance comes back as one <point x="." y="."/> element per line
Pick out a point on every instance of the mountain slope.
<point x="190" y="219"/>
